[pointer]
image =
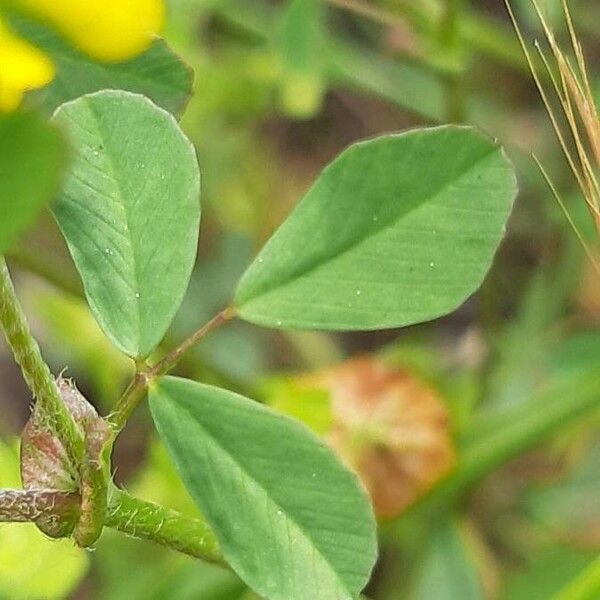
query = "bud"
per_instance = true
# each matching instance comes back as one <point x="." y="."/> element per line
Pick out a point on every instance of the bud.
<point x="45" y="464"/>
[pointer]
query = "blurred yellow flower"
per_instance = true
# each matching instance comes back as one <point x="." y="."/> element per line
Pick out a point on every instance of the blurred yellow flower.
<point x="108" y="30"/>
<point x="22" y="67"/>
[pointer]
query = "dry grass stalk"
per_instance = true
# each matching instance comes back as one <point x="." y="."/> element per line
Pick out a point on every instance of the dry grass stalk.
<point x="579" y="137"/>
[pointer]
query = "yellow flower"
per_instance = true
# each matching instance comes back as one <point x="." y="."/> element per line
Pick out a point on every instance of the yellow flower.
<point x="22" y="67"/>
<point x="108" y="30"/>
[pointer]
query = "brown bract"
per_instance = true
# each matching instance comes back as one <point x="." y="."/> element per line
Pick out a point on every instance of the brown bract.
<point x="390" y="427"/>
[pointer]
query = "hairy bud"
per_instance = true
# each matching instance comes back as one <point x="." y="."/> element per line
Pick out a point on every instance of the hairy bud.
<point x="45" y="463"/>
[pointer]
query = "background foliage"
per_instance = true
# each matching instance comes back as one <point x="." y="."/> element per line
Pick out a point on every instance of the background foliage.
<point x="280" y="88"/>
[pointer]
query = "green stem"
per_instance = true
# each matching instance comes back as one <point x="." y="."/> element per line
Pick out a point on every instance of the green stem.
<point x="133" y="395"/>
<point x="132" y="516"/>
<point x="36" y="372"/>
<point x="145" y="520"/>
<point x="95" y="478"/>
<point x="169" y="361"/>
<point x="136" y="390"/>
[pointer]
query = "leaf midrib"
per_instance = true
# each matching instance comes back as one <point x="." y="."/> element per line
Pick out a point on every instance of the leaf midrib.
<point x="344" y="249"/>
<point x="128" y="233"/>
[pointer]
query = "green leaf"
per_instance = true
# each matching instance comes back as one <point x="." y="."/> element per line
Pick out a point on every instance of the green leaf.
<point x="291" y="521"/>
<point x="397" y="230"/>
<point x="130" y="213"/>
<point x="32" y="159"/>
<point x="448" y="571"/>
<point x="157" y="73"/>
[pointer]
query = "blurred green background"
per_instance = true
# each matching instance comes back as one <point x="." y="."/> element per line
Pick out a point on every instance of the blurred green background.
<point x="280" y="89"/>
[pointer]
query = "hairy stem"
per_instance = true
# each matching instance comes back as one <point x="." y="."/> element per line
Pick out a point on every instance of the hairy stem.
<point x="170" y="528"/>
<point x="136" y="390"/>
<point x="36" y="372"/>
<point x="133" y="395"/>
<point x="132" y="516"/>
<point x="24" y="506"/>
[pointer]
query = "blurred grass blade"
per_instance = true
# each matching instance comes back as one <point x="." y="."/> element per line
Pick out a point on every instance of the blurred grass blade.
<point x="586" y="586"/>
<point x="448" y="570"/>
<point x="494" y="438"/>
<point x="546" y="573"/>
<point x="300" y="41"/>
